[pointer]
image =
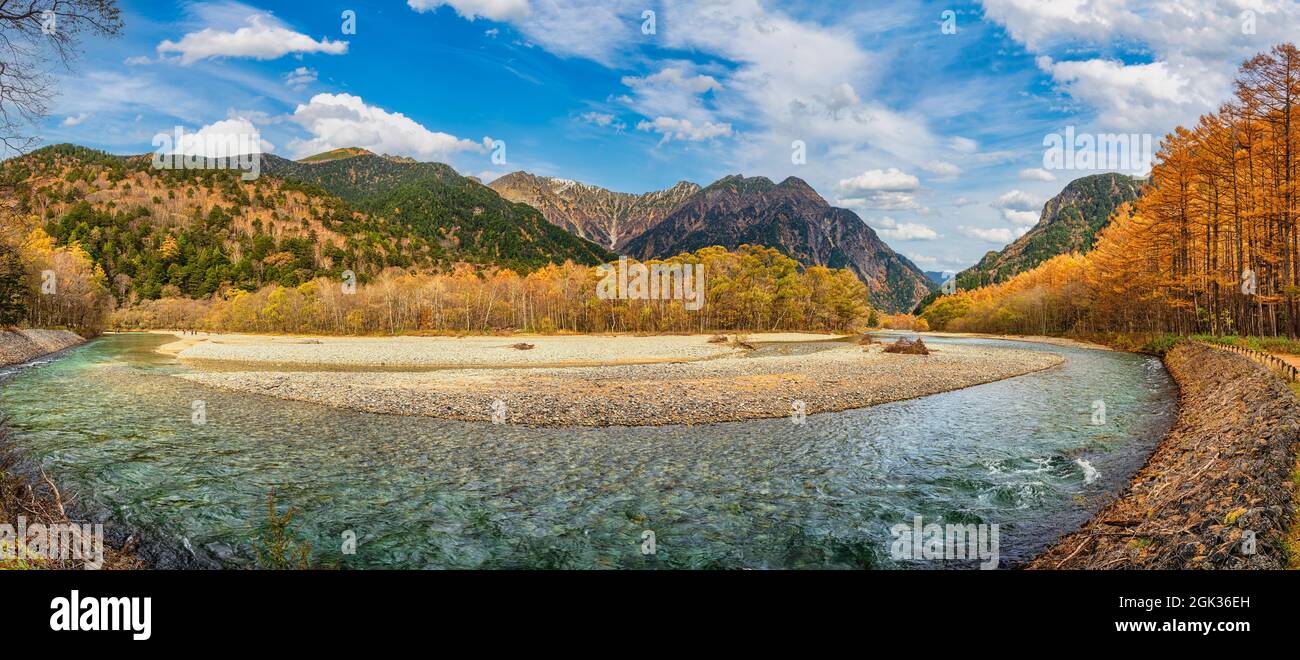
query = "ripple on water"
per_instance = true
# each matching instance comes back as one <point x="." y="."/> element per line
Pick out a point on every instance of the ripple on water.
<point x="109" y="421"/>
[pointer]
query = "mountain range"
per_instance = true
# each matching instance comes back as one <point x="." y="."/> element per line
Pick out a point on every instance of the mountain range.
<point x="463" y="219"/>
<point x="791" y="217"/>
<point x="1069" y="222"/>
<point x="189" y="232"/>
<point x="601" y="216"/>
<point x="731" y="212"/>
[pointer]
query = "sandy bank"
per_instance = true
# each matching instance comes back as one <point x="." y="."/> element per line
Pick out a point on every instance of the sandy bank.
<point x="1216" y="493"/>
<point x="735" y="385"/>
<point x="466" y="352"/>
<point x="18" y="346"/>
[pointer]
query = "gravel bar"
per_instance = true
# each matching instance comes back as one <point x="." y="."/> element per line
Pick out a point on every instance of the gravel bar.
<point x="731" y="387"/>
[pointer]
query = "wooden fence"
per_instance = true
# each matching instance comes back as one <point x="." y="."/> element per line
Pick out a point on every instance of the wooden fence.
<point x="1279" y="366"/>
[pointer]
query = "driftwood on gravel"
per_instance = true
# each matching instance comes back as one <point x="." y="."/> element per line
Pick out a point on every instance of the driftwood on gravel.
<point x="740" y="342"/>
<point x="908" y="347"/>
<point x="718" y="339"/>
<point x="522" y="346"/>
<point x="1216" y="492"/>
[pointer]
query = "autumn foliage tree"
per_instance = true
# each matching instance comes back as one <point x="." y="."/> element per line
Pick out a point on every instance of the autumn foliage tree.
<point x="45" y="285"/>
<point x="1211" y="246"/>
<point x="753" y="288"/>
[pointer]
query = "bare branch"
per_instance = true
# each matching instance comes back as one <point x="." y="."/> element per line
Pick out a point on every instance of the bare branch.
<point x="36" y="35"/>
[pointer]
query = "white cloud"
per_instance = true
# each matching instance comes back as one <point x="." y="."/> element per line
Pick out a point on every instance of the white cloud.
<point x="138" y="60"/>
<point x="675" y="76"/>
<point x="496" y="10"/>
<point x="343" y="120"/>
<point x="883" y="200"/>
<point x="1019" y="208"/>
<point x="228" y="137"/>
<point x="892" y="179"/>
<point x="948" y="264"/>
<point x="300" y="78"/>
<point x="676" y="90"/>
<point x="684" y="129"/>
<point x="923" y="260"/>
<point x="598" y="118"/>
<point x="1037" y="24"/>
<point x="1018" y="200"/>
<point x="263" y="38"/>
<point x="1192" y="49"/>
<point x="904" y="231"/>
<point x="258" y="117"/>
<point x="1037" y="174"/>
<point x="1020" y="218"/>
<point x="753" y="65"/>
<point x="881" y="189"/>
<point x="997" y="235"/>
<point x="999" y="156"/>
<point x="1133" y="97"/>
<point x="75" y="120"/>
<point x="963" y="145"/>
<point x="941" y="168"/>
<point x="602" y="119"/>
<point x="107" y="94"/>
<point x="790" y="79"/>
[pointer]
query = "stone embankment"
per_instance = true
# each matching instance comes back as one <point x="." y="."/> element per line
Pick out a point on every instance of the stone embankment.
<point x="1218" y="490"/>
<point x="18" y="346"/>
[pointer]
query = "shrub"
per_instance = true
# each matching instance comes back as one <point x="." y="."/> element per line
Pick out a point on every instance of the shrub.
<point x="1160" y="344"/>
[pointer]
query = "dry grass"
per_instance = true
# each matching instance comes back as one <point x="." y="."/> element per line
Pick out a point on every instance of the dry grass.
<point x="43" y="504"/>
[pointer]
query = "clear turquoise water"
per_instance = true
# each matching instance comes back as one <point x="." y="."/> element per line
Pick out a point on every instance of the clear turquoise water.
<point x="110" y="423"/>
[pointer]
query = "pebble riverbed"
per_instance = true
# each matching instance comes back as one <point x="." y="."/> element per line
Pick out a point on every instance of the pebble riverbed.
<point x="823" y="377"/>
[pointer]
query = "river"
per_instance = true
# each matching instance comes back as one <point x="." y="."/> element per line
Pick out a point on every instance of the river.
<point x="111" y="425"/>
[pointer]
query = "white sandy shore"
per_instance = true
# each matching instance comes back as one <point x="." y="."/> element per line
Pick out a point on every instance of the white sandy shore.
<point x="640" y="381"/>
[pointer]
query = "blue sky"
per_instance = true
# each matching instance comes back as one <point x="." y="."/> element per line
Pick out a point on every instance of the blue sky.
<point x="934" y="138"/>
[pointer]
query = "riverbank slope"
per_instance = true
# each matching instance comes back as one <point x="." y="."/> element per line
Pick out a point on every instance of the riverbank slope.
<point x="18" y="346"/>
<point x="1217" y="491"/>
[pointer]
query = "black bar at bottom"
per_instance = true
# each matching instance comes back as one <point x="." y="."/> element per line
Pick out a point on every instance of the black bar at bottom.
<point x="349" y="608"/>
